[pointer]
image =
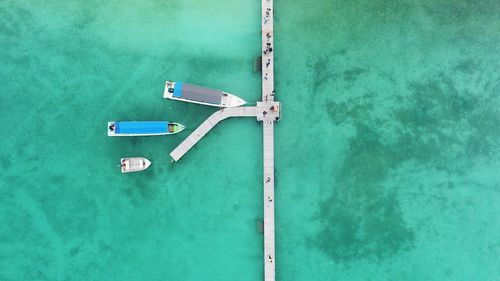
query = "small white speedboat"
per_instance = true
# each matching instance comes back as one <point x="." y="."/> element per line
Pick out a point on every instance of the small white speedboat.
<point x="134" y="164"/>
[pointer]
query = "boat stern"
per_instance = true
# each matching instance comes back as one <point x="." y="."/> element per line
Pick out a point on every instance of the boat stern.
<point x="111" y="129"/>
<point x="124" y="165"/>
<point x="168" y="93"/>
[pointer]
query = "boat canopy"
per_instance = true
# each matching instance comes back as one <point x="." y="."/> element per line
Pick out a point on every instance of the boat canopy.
<point x="141" y="127"/>
<point x="197" y="93"/>
<point x="178" y="89"/>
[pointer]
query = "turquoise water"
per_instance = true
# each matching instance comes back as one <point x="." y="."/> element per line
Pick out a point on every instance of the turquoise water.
<point x="387" y="152"/>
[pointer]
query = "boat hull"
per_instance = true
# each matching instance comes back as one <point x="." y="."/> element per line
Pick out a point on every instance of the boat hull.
<point x="134" y="164"/>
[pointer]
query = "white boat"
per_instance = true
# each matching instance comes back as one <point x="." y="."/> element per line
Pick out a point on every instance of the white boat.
<point x="143" y="128"/>
<point x="200" y="95"/>
<point x="134" y="164"/>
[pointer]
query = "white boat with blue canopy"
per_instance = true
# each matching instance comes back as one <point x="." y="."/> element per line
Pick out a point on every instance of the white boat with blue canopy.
<point x="200" y="95"/>
<point x="143" y="128"/>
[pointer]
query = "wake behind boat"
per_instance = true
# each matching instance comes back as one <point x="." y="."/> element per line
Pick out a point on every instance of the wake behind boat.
<point x="143" y="128"/>
<point x="200" y="95"/>
<point x="134" y="164"/>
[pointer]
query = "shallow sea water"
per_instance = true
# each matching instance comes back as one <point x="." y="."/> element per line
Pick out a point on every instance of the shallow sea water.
<point x="387" y="155"/>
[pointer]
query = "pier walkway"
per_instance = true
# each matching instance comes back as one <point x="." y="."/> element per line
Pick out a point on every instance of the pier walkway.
<point x="268" y="112"/>
<point x="268" y="135"/>
<point x="207" y="125"/>
<point x="263" y="111"/>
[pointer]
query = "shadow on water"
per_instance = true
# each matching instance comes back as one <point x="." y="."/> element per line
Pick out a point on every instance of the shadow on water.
<point x="362" y="216"/>
<point x="140" y="189"/>
<point x="438" y="124"/>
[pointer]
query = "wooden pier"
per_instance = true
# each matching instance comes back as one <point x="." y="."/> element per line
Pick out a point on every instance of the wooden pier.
<point x="272" y="114"/>
<point x="268" y="112"/>
<point x="207" y="125"/>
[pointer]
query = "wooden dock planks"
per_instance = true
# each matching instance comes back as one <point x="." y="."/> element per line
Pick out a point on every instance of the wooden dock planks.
<point x="268" y="136"/>
<point x="208" y="124"/>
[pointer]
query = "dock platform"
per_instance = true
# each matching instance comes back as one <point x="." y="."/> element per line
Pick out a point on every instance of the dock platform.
<point x="207" y="125"/>
<point x="268" y="119"/>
